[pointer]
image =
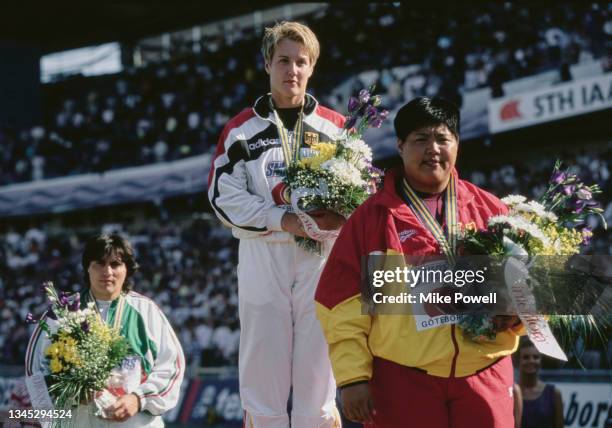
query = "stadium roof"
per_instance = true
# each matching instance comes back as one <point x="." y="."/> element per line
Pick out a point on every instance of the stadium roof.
<point x="59" y="25"/>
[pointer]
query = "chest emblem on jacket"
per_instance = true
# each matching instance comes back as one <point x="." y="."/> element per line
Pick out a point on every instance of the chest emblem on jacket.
<point x="406" y="234"/>
<point x="311" y="138"/>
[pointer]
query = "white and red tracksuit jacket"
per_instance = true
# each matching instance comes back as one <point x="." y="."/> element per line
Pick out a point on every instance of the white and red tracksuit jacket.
<point x="245" y="183"/>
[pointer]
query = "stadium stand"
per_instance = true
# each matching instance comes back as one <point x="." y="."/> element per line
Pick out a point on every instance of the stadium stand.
<point x="175" y="109"/>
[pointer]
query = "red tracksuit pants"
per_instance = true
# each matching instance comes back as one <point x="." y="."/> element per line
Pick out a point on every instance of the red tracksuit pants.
<point x="405" y="397"/>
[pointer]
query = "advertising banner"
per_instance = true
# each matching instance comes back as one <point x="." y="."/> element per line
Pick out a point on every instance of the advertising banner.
<point x="552" y="103"/>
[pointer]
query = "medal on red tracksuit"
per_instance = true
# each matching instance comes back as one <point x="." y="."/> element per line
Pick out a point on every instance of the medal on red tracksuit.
<point x="448" y="240"/>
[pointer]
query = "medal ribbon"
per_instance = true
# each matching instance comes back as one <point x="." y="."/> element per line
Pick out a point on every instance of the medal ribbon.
<point x="448" y="242"/>
<point x="118" y="311"/>
<point x="291" y="151"/>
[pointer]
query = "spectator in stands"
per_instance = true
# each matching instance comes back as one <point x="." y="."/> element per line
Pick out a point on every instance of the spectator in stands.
<point x="542" y="403"/>
<point x="282" y="348"/>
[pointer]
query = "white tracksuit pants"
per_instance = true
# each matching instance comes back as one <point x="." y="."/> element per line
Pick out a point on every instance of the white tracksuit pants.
<point x="281" y="342"/>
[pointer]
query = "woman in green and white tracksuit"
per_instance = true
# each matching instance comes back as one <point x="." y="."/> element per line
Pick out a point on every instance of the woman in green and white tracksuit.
<point x="108" y="263"/>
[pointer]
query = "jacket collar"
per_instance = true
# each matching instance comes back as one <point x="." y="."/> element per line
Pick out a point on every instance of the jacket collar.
<point x="263" y="106"/>
<point x="388" y="196"/>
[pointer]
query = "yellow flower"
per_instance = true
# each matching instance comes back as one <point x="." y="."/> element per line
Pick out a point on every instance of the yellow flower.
<point x="102" y="332"/>
<point x="325" y="151"/>
<point x="69" y="352"/>
<point x="70" y="342"/>
<point x="52" y="350"/>
<point x="56" y="365"/>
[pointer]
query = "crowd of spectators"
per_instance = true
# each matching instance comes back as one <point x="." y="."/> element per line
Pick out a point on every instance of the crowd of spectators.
<point x="188" y="263"/>
<point x="177" y="108"/>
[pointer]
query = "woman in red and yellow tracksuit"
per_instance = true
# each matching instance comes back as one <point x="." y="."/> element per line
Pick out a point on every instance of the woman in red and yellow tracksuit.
<point x="392" y="373"/>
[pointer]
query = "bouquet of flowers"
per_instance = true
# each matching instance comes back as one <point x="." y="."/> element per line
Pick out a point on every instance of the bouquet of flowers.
<point x="83" y="351"/>
<point x="337" y="176"/>
<point x="545" y="233"/>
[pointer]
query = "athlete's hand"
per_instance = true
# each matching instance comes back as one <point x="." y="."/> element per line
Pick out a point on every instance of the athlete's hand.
<point x="327" y="220"/>
<point x="357" y="403"/>
<point x="291" y="223"/>
<point x="125" y="407"/>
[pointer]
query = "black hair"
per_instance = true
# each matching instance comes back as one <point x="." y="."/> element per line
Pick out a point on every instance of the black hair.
<point x="102" y="246"/>
<point x="525" y="343"/>
<point x="423" y="111"/>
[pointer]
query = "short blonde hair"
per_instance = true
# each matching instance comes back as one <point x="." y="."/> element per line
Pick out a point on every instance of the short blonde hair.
<point x="292" y="31"/>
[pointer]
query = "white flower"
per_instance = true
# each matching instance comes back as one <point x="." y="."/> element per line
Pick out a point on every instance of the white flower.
<point x="513" y="199"/>
<point x="519" y="223"/>
<point x="535" y="208"/>
<point x="344" y="171"/>
<point x="359" y="147"/>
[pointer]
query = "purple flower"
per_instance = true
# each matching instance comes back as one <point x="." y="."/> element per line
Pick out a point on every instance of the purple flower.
<point x="577" y="205"/>
<point x="350" y="122"/>
<point x="364" y="96"/>
<point x="75" y="304"/>
<point x="85" y="326"/>
<point x="371" y="112"/>
<point x="569" y="189"/>
<point x="587" y="234"/>
<point x="558" y="177"/>
<point x="376" y="122"/>
<point x="353" y="104"/>
<point x="30" y="319"/>
<point x="64" y="299"/>
<point x="383" y="114"/>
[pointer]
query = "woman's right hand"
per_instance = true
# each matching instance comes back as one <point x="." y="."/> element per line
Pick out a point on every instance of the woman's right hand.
<point x="291" y="223"/>
<point x="357" y="403"/>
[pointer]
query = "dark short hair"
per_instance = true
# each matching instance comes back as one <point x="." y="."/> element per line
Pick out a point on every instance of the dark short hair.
<point x="423" y="111"/>
<point x="100" y="247"/>
<point x="524" y="343"/>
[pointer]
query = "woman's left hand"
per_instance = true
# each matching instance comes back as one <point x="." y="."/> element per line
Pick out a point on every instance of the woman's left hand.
<point x="125" y="407"/>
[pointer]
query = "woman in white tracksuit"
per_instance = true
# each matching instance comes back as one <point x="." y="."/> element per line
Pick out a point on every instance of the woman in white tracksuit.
<point x="108" y="263"/>
<point x="281" y="343"/>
